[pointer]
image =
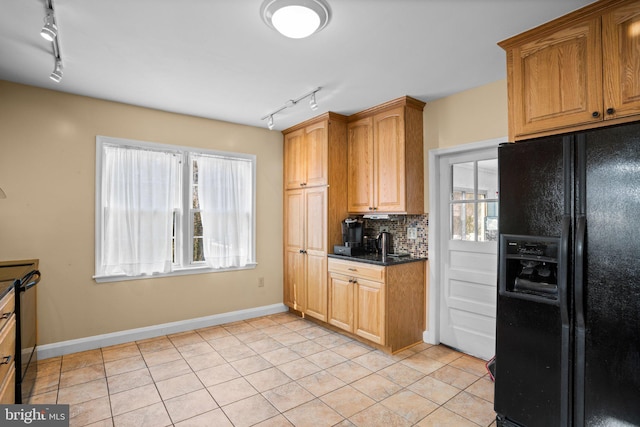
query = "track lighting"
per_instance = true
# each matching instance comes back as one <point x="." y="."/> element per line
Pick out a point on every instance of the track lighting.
<point x="50" y="29"/>
<point x="50" y="32"/>
<point x="290" y="103"/>
<point x="56" y="74"/>
<point x="312" y="102"/>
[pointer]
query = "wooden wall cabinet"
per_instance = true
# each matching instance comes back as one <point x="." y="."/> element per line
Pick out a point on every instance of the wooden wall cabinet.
<point x="315" y="203"/>
<point x="386" y="159"/>
<point x="7" y="349"/>
<point x="306" y="156"/>
<point x="577" y="72"/>
<point x="385" y="305"/>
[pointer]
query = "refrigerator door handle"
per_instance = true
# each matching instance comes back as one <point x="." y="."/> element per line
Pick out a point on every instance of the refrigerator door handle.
<point x="580" y="337"/>
<point x="579" y="271"/>
<point x="563" y="279"/>
<point x="563" y="274"/>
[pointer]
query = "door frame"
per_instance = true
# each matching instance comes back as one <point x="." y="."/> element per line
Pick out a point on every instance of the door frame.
<point x="432" y="333"/>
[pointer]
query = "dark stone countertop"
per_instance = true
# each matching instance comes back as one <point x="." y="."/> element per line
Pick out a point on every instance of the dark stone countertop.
<point x="377" y="259"/>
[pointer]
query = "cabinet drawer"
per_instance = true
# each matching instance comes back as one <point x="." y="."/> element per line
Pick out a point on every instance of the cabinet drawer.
<point x="7" y="347"/>
<point x="8" y="387"/>
<point x="357" y="269"/>
<point x="7" y="307"/>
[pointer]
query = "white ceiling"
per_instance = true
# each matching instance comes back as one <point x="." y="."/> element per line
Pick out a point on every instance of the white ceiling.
<point x="217" y="59"/>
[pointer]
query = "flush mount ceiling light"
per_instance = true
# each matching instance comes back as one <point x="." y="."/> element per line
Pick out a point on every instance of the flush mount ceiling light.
<point x="295" y="19"/>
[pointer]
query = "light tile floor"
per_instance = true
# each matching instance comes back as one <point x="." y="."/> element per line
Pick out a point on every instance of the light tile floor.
<point x="278" y="370"/>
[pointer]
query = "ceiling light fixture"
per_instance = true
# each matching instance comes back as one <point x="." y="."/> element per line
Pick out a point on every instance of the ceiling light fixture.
<point x="312" y="102"/>
<point x="56" y="74"/>
<point x="50" y="29"/>
<point x="50" y="32"/>
<point x="291" y="103"/>
<point x="295" y="19"/>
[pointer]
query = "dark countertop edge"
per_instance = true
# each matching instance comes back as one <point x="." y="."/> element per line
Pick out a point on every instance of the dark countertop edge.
<point x="7" y="283"/>
<point x="390" y="261"/>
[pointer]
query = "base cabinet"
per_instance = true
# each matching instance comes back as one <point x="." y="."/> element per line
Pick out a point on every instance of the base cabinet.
<point x="7" y="349"/>
<point x="383" y="305"/>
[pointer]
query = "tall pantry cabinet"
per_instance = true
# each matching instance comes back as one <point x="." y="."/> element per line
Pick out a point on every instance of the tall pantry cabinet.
<point x="315" y="203"/>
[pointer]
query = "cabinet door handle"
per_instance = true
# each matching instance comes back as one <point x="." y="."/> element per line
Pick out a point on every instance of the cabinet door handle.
<point x="610" y="111"/>
<point x="5" y="360"/>
<point x="370" y="208"/>
<point x="6" y="315"/>
<point x="595" y="114"/>
<point x="352" y="269"/>
<point x="350" y="280"/>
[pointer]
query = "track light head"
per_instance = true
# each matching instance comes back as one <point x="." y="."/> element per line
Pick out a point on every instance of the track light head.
<point x="312" y="102"/>
<point x="50" y="30"/>
<point x="270" y="123"/>
<point x="56" y="74"/>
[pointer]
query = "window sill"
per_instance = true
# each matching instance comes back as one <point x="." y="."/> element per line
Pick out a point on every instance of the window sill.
<point x="176" y="272"/>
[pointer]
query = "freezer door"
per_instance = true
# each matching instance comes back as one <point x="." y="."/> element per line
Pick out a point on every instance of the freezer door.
<point x="608" y="296"/>
<point x="532" y="334"/>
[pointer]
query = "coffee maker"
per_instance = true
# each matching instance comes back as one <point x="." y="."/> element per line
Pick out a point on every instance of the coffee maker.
<point x="351" y="238"/>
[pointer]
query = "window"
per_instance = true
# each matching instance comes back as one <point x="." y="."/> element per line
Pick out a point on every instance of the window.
<point x="165" y="210"/>
<point x="474" y="200"/>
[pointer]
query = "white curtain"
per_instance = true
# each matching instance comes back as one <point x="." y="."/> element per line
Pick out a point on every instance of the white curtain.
<point x="225" y="194"/>
<point x="139" y="193"/>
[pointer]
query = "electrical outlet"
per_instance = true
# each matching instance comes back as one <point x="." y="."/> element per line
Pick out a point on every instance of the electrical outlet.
<point x="412" y="233"/>
<point x="384" y="228"/>
<point x="261" y="282"/>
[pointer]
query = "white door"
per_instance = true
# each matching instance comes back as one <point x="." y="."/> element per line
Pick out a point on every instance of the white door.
<point x="468" y="250"/>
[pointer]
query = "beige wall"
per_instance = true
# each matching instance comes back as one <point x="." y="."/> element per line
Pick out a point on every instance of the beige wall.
<point x="478" y="114"/>
<point x="47" y="169"/>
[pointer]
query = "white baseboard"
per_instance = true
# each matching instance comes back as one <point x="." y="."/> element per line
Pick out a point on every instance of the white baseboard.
<point x="97" y="341"/>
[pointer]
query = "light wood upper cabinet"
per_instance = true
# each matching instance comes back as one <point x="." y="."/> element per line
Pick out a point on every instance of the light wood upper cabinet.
<point x="361" y="169"/>
<point x="577" y="72"/>
<point x="306" y="156"/>
<point x="621" y="59"/>
<point x="386" y="159"/>
<point x="389" y="185"/>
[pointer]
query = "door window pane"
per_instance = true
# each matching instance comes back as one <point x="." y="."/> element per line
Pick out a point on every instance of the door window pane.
<point x="463" y="221"/>
<point x="474" y="200"/>
<point x="462" y="177"/>
<point x="488" y="178"/>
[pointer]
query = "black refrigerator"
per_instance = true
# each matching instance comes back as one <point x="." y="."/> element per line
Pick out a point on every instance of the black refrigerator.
<point x="568" y="307"/>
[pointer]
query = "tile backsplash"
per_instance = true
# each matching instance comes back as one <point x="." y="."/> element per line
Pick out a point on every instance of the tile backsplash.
<point x="397" y="225"/>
